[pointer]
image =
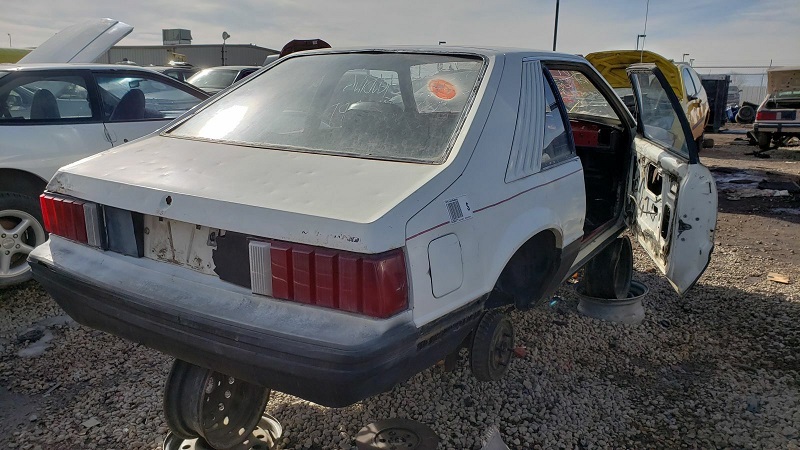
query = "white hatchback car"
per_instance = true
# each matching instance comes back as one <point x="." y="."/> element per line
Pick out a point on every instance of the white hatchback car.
<point x="52" y="114"/>
<point x="346" y="218"/>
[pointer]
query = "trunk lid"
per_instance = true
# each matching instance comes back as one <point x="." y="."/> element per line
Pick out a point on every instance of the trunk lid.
<point x="783" y="79"/>
<point x="329" y="201"/>
<point x="80" y="43"/>
<point x="613" y="63"/>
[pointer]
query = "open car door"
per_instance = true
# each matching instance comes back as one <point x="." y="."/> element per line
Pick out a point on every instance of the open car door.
<point x="675" y="195"/>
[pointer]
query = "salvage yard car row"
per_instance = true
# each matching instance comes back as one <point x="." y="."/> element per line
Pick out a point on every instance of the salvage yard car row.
<point x="346" y="218"/>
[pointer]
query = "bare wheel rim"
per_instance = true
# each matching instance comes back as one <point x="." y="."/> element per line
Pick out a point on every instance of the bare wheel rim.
<point x="20" y="233"/>
<point x="502" y="346"/>
<point x="221" y="409"/>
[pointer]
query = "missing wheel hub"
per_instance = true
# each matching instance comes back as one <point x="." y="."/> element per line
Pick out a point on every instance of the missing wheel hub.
<point x="396" y="434"/>
<point x="628" y="311"/>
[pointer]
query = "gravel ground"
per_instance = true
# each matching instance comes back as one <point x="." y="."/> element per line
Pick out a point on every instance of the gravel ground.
<point x="719" y="368"/>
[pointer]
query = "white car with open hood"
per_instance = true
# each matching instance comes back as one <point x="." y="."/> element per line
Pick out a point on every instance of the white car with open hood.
<point x="56" y="108"/>
<point x="346" y="218"/>
<point x="778" y="116"/>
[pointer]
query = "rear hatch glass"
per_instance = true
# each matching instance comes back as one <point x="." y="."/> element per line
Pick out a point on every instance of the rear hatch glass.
<point x="397" y="106"/>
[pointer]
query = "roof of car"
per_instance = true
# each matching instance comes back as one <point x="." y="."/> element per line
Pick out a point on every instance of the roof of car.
<point x="172" y="67"/>
<point x="446" y="49"/>
<point x="70" y="66"/>
<point x="233" y="67"/>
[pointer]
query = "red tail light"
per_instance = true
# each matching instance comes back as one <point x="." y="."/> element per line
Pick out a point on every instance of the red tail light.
<point x="766" y="115"/>
<point x="374" y="285"/>
<point x="72" y="219"/>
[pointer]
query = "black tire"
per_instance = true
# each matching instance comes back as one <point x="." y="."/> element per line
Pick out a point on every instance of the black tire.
<point x="764" y="140"/>
<point x="16" y="243"/>
<point x="492" y="346"/>
<point x="708" y="143"/>
<point x="608" y="275"/>
<point x="746" y="114"/>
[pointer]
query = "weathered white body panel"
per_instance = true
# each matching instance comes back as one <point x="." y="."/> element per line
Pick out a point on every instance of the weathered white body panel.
<point x="123" y="132"/>
<point x="682" y="250"/>
<point x="42" y="149"/>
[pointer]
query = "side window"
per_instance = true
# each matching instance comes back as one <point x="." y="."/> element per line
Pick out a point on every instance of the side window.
<point x="580" y="95"/>
<point x="42" y="97"/>
<point x="688" y="84"/>
<point x="697" y="83"/>
<point x="659" y="120"/>
<point x="556" y="146"/>
<point x="131" y="97"/>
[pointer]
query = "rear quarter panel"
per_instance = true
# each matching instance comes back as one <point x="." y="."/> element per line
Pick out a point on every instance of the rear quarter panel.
<point x="504" y="215"/>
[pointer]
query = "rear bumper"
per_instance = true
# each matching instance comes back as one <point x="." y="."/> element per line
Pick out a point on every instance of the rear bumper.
<point x="790" y="128"/>
<point x="326" y="357"/>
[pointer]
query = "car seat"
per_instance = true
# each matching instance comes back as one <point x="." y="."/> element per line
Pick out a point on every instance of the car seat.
<point x="130" y="107"/>
<point x="44" y="105"/>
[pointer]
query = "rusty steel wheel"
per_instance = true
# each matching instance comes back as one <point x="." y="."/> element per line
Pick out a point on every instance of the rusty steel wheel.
<point x="492" y="346"/>
<point x="221" y="409"/>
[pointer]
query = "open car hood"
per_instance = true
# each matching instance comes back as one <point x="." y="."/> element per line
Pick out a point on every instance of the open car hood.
<point x="783" y="79"/>
<point x="80" y="43"/>
<point x="612" y="65"/>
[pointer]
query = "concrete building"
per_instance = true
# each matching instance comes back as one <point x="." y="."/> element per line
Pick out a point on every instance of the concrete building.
<point x="200" y="55"/>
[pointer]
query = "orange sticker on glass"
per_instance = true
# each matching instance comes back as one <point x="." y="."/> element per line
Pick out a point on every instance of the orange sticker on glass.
<point x="442" y="89"/>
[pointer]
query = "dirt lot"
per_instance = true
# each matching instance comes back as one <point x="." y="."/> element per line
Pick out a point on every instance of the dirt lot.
<point x="719" y="368"/>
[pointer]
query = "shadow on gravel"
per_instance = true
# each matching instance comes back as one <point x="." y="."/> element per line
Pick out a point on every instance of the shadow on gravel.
<point x="715" y="369"/>
<point x="778" y="154"/>
<point x="786" y="209"/>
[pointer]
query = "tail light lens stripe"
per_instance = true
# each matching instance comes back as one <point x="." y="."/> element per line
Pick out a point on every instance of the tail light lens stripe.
<point x="349" y="283"/>
<point x="385" y="288"/>
<point x="43" y="204"/>
<point x="79" y="222"/>
<point x="326" y="288"/>
<point x="281" y="265"/>
<point x="65" y="219"/>
<point x="303" y="273"/>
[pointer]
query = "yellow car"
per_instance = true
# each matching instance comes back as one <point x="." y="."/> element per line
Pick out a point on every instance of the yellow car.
<point x="681" y="77"/>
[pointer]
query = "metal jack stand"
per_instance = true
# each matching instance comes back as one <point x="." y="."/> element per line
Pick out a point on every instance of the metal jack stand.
<point x="207" y="410"/>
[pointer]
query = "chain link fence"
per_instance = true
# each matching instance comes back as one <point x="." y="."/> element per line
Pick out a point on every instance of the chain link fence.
<point x="750" y="80"/>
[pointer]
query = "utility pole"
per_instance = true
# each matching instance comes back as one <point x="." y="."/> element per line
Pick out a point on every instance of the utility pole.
<point x="9" y="40"/>
<point x="555" y="28"/>
<point x="225" y="37"/>
<point x="644" y="33"/>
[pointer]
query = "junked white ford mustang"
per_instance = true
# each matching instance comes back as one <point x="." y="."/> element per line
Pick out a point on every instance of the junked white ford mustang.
<point x="347" y="218"/>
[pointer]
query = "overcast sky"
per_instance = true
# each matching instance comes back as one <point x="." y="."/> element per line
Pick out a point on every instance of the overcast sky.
<point x="713" y="32"/>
